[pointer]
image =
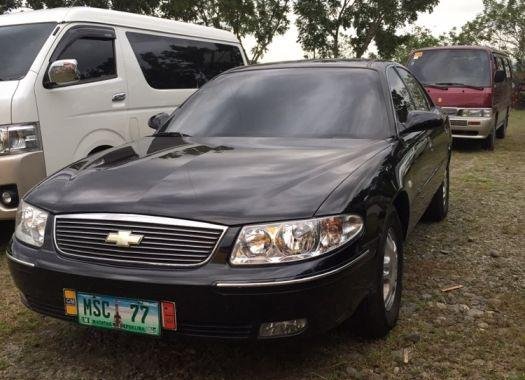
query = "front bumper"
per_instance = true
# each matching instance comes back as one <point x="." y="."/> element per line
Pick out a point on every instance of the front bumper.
<point x="471" y="127"/>
<point x="23" y="171"/>
<point x="216" y="300"/>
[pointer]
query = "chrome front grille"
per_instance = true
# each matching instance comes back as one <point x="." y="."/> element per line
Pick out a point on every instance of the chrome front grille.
<point x="164" y="241"/>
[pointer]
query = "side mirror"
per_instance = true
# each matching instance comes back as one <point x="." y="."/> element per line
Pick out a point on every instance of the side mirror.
<point x="63" y="71"/>
<point x="422" y="121"/>
<point x="158" y="120"/>
<point x="500" y="76"/>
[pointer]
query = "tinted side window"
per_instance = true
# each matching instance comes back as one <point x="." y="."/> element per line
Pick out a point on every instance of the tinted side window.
<point x="170" y="63"/>
<point x="400" y="95"/>
<point x="416" y="91"/>
<point x="96" y="58"/>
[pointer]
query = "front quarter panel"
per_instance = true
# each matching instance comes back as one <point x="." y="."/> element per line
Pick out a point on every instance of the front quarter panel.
<point x="368" y="191"/>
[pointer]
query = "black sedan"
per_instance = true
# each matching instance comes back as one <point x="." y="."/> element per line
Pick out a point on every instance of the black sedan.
<point x="275" y="202"/>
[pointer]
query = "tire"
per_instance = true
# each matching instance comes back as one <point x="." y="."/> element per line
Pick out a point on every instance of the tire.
<point x="490" y="141"/>
<point x="438" y="208"/>
<point x="378" y="313"/>
<point x="501" y="132"/>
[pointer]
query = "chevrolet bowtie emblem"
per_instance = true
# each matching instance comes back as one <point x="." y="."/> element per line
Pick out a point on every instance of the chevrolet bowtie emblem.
<point x="124" y="238"/>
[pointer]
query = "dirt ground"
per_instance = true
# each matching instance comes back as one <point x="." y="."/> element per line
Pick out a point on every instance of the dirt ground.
<point x="475" y="332"/>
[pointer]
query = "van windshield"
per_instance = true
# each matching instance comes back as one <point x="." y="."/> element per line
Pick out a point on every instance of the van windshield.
<point x="291" y="102"/>
<point x="19" y="45"/>
<point x="451" y="67"/>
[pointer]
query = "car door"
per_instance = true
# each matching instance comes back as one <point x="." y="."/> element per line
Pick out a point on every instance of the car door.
<point x="435" y="156"/>
<point x="89" y="114"/>
<point x="411" y="165"/>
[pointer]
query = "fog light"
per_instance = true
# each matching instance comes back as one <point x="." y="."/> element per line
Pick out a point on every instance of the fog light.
<point x="284" y="328"/>
<point x="7" y="198"/>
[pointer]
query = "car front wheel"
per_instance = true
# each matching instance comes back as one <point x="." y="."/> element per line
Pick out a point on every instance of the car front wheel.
<point x="379" y="312"/>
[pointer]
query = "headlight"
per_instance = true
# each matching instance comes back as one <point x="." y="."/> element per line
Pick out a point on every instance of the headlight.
<point x="476" y="112"/>
<point x="30" y="224"/>
<point x="18" y="138"/>
<point x="294" y="240"/>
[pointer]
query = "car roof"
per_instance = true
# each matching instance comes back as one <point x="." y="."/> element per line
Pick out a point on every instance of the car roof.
<point x="313" y="63"/>
<point x="110" y="17"/>
<point x="463" y="47"/>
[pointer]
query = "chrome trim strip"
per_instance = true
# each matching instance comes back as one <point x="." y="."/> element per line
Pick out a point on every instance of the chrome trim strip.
<point x="141" y="219"/>
<point x="19" y="261"/>
<point x="292" y="281"/>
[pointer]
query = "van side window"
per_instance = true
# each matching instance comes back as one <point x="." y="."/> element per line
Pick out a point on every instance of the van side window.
<point x="416" y="91"/>
<point x="400" y="95"/>
<point x="95" y="57"/>
<point x="172" y="63"/>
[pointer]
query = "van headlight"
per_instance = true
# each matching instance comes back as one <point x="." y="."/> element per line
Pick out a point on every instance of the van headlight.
<point x="476" y="112"/>
<point x="30" y="224"/>
<point x="19" y="138"/>
<point x="294" y="240"/>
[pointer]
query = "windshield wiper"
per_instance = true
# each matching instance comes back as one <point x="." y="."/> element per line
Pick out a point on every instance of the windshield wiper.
<point x="435" y="85"/>
<point x="171" y="134"/>
<point x="460" y="85"/>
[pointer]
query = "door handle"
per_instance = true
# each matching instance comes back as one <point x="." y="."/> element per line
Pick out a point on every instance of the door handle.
<point x="119" y="97"/>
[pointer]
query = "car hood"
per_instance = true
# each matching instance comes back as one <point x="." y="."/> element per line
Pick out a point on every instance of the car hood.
<point x="228" y="181"/>
<point x="7" y="90"/>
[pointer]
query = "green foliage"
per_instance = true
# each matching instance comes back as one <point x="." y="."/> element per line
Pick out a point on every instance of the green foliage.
<point x="501" y="24"/>
<point x="325" y="25"/>
<point x="7" y="5"/>
<point x="417" y="39"/>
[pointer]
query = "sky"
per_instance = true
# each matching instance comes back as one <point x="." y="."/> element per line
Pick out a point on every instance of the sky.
<point x="445" y="16"/>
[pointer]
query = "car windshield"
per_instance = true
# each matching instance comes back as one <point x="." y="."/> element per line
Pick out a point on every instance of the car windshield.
<point x="19" y="45"/>
<point x="286" y="102"/>
<point x="452" y="67"/>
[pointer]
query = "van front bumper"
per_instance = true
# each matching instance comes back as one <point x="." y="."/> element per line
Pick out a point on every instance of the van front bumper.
<point x="208" y="304"/>
<point x="471" y="127"/>
<point x="20" y="172"/>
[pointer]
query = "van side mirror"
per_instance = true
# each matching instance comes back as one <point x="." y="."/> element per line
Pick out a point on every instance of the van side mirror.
<point x="500" y="76"/>
<point x="63" y="71"/>
<point x="158" y="120"/>
<point x="421" y="121"/>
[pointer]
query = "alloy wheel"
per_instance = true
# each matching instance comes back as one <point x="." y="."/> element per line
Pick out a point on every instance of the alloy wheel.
<point x="390" y="268"/>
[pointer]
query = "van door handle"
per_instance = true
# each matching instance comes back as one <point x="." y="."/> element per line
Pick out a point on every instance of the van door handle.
<point x="119" y="97"/>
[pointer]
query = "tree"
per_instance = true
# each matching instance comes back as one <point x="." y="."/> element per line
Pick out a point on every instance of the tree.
<point x="325" y="25"/>
<point x="262" y="19"/>
<point x="418" y="38"/>
<point x="501" y="24"/>
<point x="7" y="5"/>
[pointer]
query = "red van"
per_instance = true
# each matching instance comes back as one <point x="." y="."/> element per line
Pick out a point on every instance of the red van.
<point x="472" y="84"/>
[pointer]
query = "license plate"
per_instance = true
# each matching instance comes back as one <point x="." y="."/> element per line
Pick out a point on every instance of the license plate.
<point x="137" y="316"/>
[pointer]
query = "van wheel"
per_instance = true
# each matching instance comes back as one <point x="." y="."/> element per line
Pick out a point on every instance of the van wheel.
<point x="379" y="312"/>
<point x="438" y="208"/>
<point x="490" y="141"/>
<point x="502" y="131"/>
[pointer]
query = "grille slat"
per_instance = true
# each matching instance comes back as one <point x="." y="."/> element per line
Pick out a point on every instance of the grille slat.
<point x="143" y="245"/>
<point x="108" y="248"/>
<point x="164" y="242"/>
<point x="131" y="257"/>
<point x="128" y="226"/>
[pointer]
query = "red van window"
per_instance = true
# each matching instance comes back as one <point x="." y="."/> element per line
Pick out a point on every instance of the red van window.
<point x="452" y="67"/>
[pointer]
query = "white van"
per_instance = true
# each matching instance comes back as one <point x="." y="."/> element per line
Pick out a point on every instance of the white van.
<point x="74" y="81"/>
